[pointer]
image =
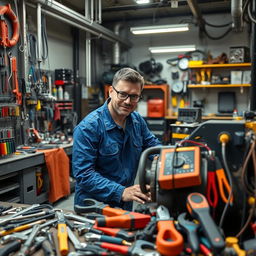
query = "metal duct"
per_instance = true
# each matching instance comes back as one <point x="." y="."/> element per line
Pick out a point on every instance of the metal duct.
<point x="116" y="47"/>
<point x="236" y="13"/>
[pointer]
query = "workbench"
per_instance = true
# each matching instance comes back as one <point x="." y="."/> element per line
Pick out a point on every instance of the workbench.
<point x="18" y="181"/>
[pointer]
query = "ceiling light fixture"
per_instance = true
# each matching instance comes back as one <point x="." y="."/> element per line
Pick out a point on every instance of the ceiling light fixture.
<point x="142" y="1"/>
<point x="159" y="29"/>
<point x="177" y="48"/>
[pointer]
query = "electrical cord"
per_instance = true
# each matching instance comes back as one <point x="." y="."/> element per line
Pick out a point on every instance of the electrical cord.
<point x="223" y="153"/>
<point x="32" y="49"/>
<point x="250" y="13"/>
<point x="45" y="49"/>
<point x="217" y="26"/>
<point x="252" y="155"/>
<point x="217" y="37"/>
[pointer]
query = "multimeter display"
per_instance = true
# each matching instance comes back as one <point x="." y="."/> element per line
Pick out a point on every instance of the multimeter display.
<point x="182" y="162"/>
<point x="179" y="167"/>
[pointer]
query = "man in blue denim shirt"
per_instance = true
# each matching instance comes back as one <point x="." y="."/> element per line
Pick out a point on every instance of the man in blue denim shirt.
<point x="108" y="143"/>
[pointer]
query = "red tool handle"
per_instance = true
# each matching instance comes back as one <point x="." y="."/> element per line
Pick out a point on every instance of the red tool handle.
<point x="15" y="81"/>
<point x="4" y="33"/>
<point x="128" y="236"/>
<point x="212" y="193"/>
<point x="131" y="220"/>
<point x="169" y="241"/>
<point x="114" y="247"/>
<point x="109" y="211"/>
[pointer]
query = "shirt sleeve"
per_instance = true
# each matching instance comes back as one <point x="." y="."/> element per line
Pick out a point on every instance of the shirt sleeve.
<point x="85" y="148"/>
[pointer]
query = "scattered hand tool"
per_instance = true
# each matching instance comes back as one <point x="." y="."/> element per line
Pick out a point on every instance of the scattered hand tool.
<point x="25" y="248"/>
<point x="62" y="233"/>
<point x="91" y="237"/>
<point x="148" y="232"/>
<point x="190" y="228"/>
<point x="79" y="246"/>
<point x="223" y="182"/>
<point x="169" y="241"/>
<point x="198" y="207"/>
<point x="140" y="247"/>
<point x="7" y="219"/>
<point x="20" y="228"/>
<point x="116" y="217"/>
<point x="128" y="236"/>
<point x="10" y="248"/>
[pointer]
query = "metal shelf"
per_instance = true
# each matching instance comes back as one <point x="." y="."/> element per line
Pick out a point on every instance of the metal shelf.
<point x="229" y="65"/>
<point x="217" y="85"/>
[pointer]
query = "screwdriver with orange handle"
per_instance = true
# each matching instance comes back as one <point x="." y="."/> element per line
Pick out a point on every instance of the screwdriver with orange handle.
<point x="169" y="242"/>
<point x="199" y="209"/>
<point x="62" y="233"/>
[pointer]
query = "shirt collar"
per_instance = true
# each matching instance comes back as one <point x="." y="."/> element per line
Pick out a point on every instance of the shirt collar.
<point x="108" y="120"/>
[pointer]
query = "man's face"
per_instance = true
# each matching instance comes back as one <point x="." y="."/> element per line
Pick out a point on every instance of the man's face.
<point x="123" y="108"/>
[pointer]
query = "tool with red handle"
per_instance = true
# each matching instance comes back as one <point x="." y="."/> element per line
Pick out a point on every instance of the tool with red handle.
<point x="199" y="209"/>
<point x="115" y="218"/>
<point x="140" y="247"/>
<point x="169" y="241"/>
<point x="15" y="81"/>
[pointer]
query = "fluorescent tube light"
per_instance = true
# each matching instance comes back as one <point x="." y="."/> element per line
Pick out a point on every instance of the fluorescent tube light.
<point x="142" y="1"/>
<point x="159" y="29"/>
<point x="177" y="48"/>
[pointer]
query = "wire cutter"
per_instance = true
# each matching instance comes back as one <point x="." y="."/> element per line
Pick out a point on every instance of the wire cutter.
<point x="169" y="241"/>
<point x="222" y="182"/>
<point x="115" y="217"/>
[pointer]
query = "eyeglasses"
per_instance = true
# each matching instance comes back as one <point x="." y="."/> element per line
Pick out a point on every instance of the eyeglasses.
<point x="123" y="96"/>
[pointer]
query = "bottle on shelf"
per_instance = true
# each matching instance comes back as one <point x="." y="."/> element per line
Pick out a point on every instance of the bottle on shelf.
<point x="60" y="93"/>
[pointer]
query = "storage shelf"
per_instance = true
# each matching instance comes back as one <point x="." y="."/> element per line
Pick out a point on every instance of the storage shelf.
<point x="217" y="85"/>
<point x="230" y="65"/>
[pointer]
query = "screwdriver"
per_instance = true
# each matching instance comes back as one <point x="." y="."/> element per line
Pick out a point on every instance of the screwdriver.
<point x="62" y="234"/>
<point x="20" y="228"/>
<point x="92" y="237"/>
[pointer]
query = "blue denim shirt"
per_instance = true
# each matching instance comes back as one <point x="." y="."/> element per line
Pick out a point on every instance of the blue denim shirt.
<point x="105" y="156"/>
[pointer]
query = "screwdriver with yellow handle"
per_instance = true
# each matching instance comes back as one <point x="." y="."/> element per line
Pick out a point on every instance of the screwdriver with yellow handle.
<point x="20" y="228"/>
<point x="62" y="234"/>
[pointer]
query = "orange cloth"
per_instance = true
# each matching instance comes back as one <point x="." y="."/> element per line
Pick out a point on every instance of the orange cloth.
<point x="57" y="163"/>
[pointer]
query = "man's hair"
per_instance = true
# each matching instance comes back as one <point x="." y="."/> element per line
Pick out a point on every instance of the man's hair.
<point x="129" y="75"/>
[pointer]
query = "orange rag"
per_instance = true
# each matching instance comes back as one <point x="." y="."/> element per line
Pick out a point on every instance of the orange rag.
<point x="57" y="163"/>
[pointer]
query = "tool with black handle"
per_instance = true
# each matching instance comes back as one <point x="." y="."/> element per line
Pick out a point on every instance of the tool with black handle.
<point x="199" y="209"/>
<point x="190" y="229"/>
<point x="10" y="248"/>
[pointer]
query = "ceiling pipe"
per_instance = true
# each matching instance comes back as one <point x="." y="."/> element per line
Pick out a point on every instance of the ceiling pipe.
<point x="236" y="13"/>
<point x="116" y="47"/>
<point x="194" y="7"/>
<point x="55" y="9"/>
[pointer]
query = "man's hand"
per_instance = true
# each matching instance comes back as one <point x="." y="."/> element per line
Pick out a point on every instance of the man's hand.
<point x="134" y="193"/>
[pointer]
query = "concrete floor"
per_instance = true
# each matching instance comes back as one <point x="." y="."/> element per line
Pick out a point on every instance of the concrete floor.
<point x="66" y="203"/>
